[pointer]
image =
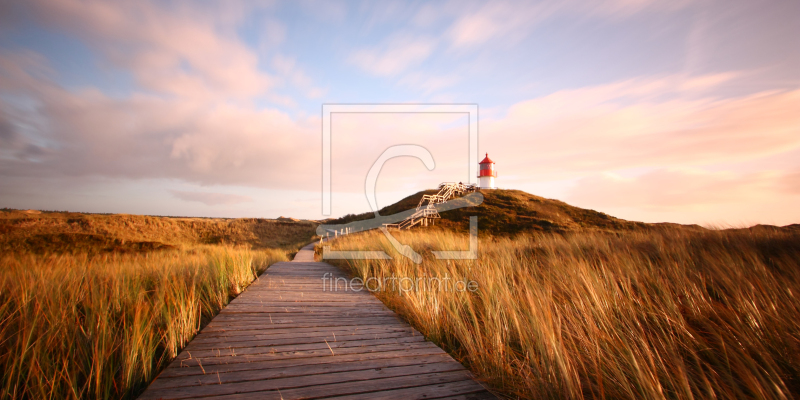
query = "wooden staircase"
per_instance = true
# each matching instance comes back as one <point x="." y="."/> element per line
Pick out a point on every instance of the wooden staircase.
<point x="426" y="209"/>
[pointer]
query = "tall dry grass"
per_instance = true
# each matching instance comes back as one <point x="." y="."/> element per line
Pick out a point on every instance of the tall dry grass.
<point x="66" y="232"/>
<point x="643" y="315"/>
<point x="102" y="326"/>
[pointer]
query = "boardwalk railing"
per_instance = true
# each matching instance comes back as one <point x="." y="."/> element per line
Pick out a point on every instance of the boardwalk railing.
<point x="426" y="209"/>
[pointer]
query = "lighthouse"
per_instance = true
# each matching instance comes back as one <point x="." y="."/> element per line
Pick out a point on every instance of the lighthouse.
<point x="487" y="173"/>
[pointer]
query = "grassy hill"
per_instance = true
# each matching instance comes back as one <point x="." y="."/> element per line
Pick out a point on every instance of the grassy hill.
<point x="511" y="212"/>
<point x="574" y="303"/>
<point x="66" y="232"/>
<point x="93" y="305"/>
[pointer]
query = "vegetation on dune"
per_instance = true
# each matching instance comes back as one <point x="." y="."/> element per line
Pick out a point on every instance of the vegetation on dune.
<point x="511" y="212"/>
<point x="94" y="306"/>
<point x="61" y="232"/>
<point x="81" y="326"/>
<point x="643" y="314"/>
<point x="570" y="303"/>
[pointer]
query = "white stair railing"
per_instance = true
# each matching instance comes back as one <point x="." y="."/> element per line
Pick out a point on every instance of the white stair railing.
<point x="426" y="209"/>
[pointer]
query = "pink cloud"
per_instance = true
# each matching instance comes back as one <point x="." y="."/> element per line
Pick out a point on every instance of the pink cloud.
<point x="506" y="22"/>
<point x="180" y="49"/>
<point x="670" y="189"/>
<point x="193" y="117"/>
<point x="667" y="121"/>
<point x="287" y="67"/>
<point x="790" y="183"/>
<point x="394" y="56"/>
<point x="703" y="152"/>
<point x="87" y="133"/>
<point x="693" y="196"/>
<point x="206" y="142"/>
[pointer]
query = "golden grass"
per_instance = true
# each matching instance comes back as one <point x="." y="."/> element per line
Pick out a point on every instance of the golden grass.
<point x="77" y="233"/>
<point x="505" y="212"/>
<point x="101" y="326"/>
<point x="678" y="314"/>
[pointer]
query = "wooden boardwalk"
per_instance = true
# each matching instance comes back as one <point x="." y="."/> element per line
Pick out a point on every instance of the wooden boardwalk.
<point x="287" y="338"/>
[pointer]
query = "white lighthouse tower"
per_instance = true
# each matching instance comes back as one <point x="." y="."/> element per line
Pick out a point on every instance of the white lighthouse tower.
<point x="487" y="173"/>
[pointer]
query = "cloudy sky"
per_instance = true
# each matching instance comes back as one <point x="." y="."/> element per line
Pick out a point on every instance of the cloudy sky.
<point x="681" y="111"/>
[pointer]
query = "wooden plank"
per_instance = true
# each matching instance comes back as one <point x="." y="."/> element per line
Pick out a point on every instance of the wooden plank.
<point x="297" y="371"/>
<point x="461" y="390"/>
<point x="285" y="322"/>
<point x="258" y="309"/>
<point x="273" y="344"/>
<point x="226" y="344"/>
<point x="290" y="336"/>
<point x="332" y="346"/>
<point x="483" y="395"/>
<point x="304" y="333"/>
<point x="298" y="354"/>
<point x="352" y="388"/>
<point x="308" y="302"/>
<point x="297" y="312"/>
<point x="340" y="329"/>
<point x="310" y="320"/>
<point x="207" y="369"/>
<point x="327" y="324"/>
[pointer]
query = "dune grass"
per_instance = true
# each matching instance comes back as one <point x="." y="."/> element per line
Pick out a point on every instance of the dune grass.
<point x="678" y="314"/>
<point x="65" y="232"/>
<point x="101" y="325"/>
<point x="505" y="212"/>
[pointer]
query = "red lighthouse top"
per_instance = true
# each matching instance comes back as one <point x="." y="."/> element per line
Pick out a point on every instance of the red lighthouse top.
<point x="486" y="167"/>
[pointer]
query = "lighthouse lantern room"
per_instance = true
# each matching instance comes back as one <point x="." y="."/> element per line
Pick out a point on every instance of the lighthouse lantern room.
<point x="487" y="173"/>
